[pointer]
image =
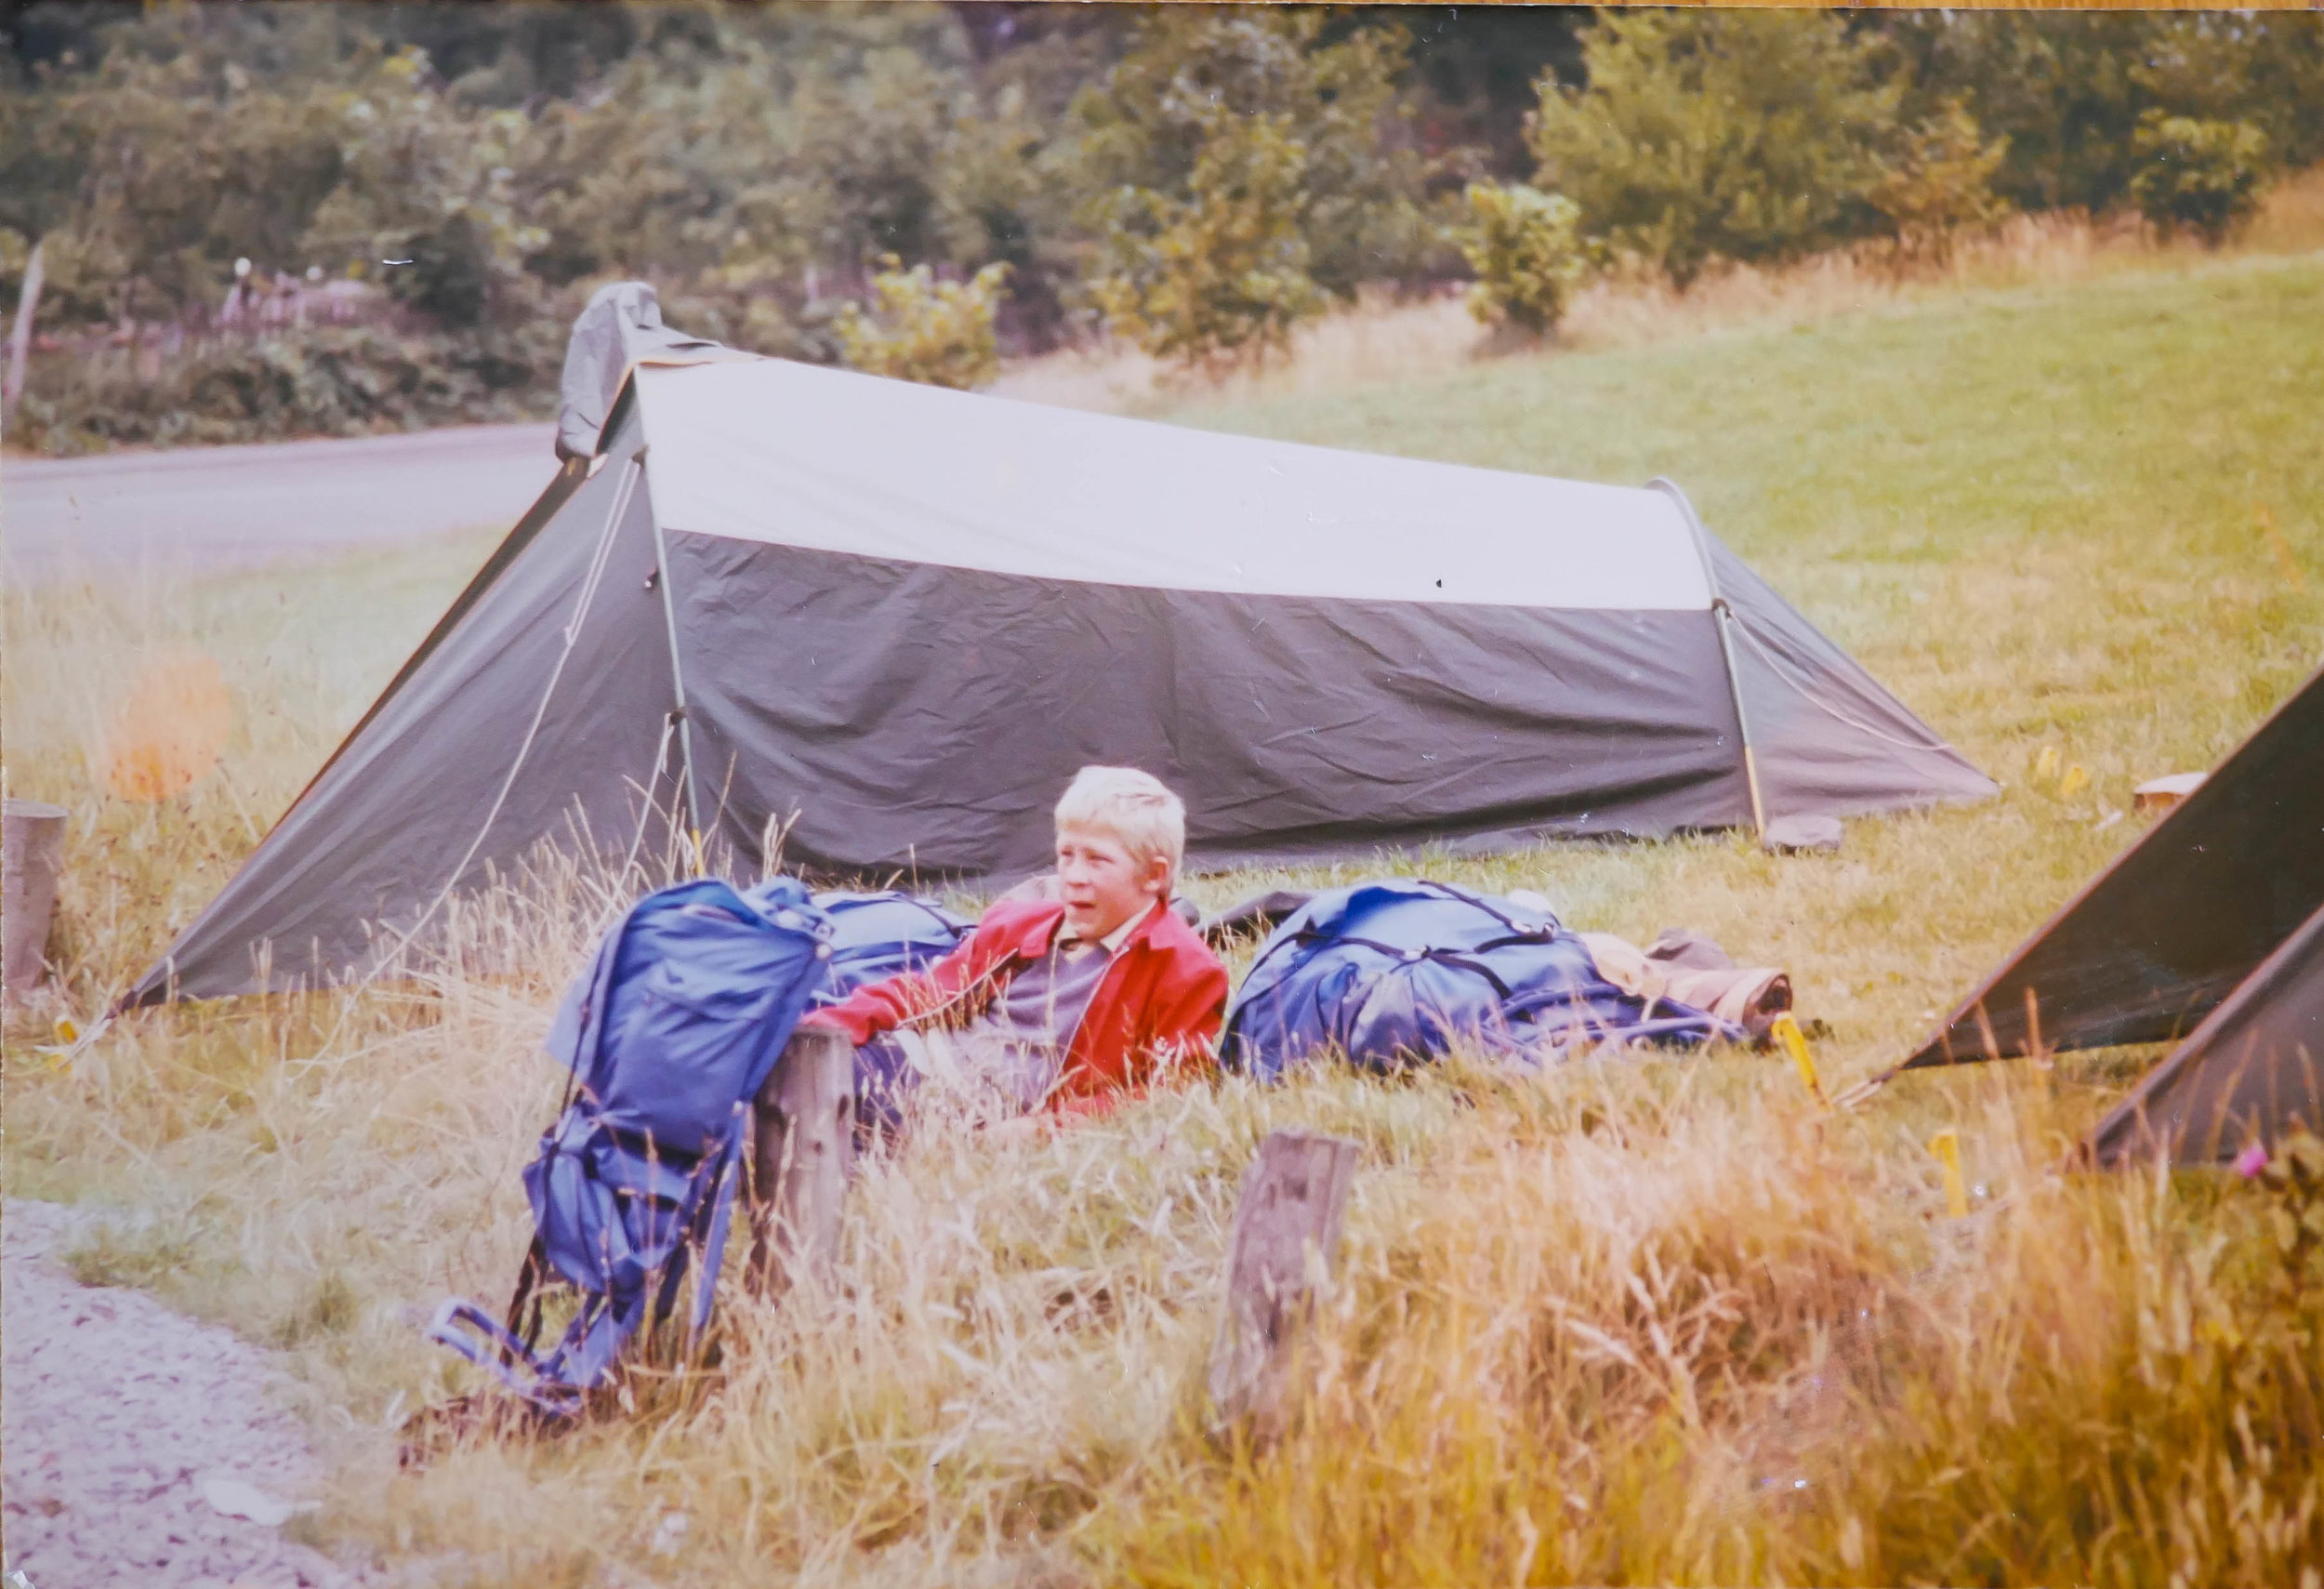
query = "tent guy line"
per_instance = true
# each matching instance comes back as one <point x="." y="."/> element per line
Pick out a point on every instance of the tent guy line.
<point x="532" y="729"/>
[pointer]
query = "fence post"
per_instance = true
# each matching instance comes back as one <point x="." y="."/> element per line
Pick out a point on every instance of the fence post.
<point x="1292" y="1199"/>
<point x="31" y="855"/>
<point x="802" y="1154"/>
<point x="20" y="332"/>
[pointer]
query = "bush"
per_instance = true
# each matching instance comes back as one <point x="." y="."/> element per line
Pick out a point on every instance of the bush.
<point x="2197" y="176"/>
<point x="2068" y="89"/>
<point x="1740" y="136"/>
<point x="155" y="175"/>
<point x="744" y="313"/>
<point x="1221" y="273"/>
<point x="332" y="381"/>
<point x="425" y="183"/>
<point x="451" y="272"/>
<point x="1940" y="183"/>
<point x="937" y="332"/>
<point x="1526" y="248"/>
<point x="1239" y="166"/>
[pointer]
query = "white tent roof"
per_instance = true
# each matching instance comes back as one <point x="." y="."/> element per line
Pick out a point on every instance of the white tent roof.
<point x="830" y="461"/>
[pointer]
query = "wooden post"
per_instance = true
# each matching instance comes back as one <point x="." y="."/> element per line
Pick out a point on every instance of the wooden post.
<point x="802" y="1154"/>
<point x="31" y="855"/>
<point x="1292" y="1198"/>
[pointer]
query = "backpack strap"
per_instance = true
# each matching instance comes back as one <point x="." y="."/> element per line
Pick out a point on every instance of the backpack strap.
<point x="529" y="1281"/>
<point x="1516" y="932"/>
<point x="607" y="1322"/>
<point x="707" y="1226"/>
<point x="1459" y="958"/>
<point x="1519" y="932"/>
<point x="477" y="1336"/>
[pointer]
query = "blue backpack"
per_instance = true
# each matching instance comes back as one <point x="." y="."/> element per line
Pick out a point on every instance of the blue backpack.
<point x="1392" y="971"/>
<point x="667" y="1037"/>
<point x="876" y="935"/>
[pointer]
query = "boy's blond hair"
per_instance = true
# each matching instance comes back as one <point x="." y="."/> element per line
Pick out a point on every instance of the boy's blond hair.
<point x="1134" y="807"/>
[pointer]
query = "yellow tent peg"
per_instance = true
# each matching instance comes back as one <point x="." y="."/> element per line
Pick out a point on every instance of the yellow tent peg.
<point x="1946" y="1145"/>
<point x="1787" y="1032"/>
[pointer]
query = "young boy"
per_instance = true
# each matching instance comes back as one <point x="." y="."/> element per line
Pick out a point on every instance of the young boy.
<point x="1070" y="1003"/>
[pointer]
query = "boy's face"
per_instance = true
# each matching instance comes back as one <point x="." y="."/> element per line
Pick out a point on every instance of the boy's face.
<point x="1104" y="884"/>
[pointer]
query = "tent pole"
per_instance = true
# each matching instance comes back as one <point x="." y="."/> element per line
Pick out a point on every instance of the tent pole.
<point x="1724" y="616"/>
<point x="678" y="683"/>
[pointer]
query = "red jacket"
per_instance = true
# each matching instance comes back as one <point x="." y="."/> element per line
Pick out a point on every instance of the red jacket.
<point x="1159" y="1005"/>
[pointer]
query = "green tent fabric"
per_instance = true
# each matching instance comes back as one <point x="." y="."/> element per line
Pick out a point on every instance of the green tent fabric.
<point x="895" y="619"/>
<point x="2205" y="932"/>
<point x="2251" y="1072"/>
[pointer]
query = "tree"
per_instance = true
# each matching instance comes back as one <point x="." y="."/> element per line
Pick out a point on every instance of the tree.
<point x="742" y="158"/>
<point x="2060" y="89"/>
<point x="2068" y="89"/>
<point x="424" y="184"/>
<point x="1221" y="271"/>
<point x="2225" y="66"/>
<point x="1526" y="248"/>
<point x="1746" y="136"/>
<point x="40" y="164"/>
<point x="689" y="164"/>
<point x="2197" y="176"/>
<point x="1300" y="138"/>
<point x="1939" y="183"/>
<point x="1476" y="72"/>
<point x="43" y="157"/>
<point x="1007" y="197"/>
<point x="937" y="332"/>
<point x="180" y="165"/>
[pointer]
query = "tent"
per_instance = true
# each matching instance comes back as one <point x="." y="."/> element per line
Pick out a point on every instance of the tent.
<point x="2213" y="922"/>
<point x="896" y="619"/>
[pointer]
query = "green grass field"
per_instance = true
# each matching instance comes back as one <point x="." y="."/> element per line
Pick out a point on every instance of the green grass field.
<point x="1639" y="1322"/>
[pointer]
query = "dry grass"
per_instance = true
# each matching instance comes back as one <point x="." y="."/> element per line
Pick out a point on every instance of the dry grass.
<point x="1381" y="340"/>
<point x="302" y="649"/>
<point x="1645" y="1322"/>
<point x="1649" y="1324"/>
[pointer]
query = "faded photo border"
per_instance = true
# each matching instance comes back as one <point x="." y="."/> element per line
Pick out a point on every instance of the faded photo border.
<point x="1692" y="953"/>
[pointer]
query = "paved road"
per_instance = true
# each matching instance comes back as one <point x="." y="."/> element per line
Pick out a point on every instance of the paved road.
<point x="203" y="509"/>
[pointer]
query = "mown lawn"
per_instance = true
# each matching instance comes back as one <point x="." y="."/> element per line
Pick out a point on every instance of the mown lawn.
<point x="1646" y="1321"/>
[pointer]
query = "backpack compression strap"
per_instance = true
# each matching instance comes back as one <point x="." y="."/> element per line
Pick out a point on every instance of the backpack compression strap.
<point x="555" y="1384"/>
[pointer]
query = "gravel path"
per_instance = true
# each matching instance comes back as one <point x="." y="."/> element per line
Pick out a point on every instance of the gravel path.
<point x="126" y="1427"/>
